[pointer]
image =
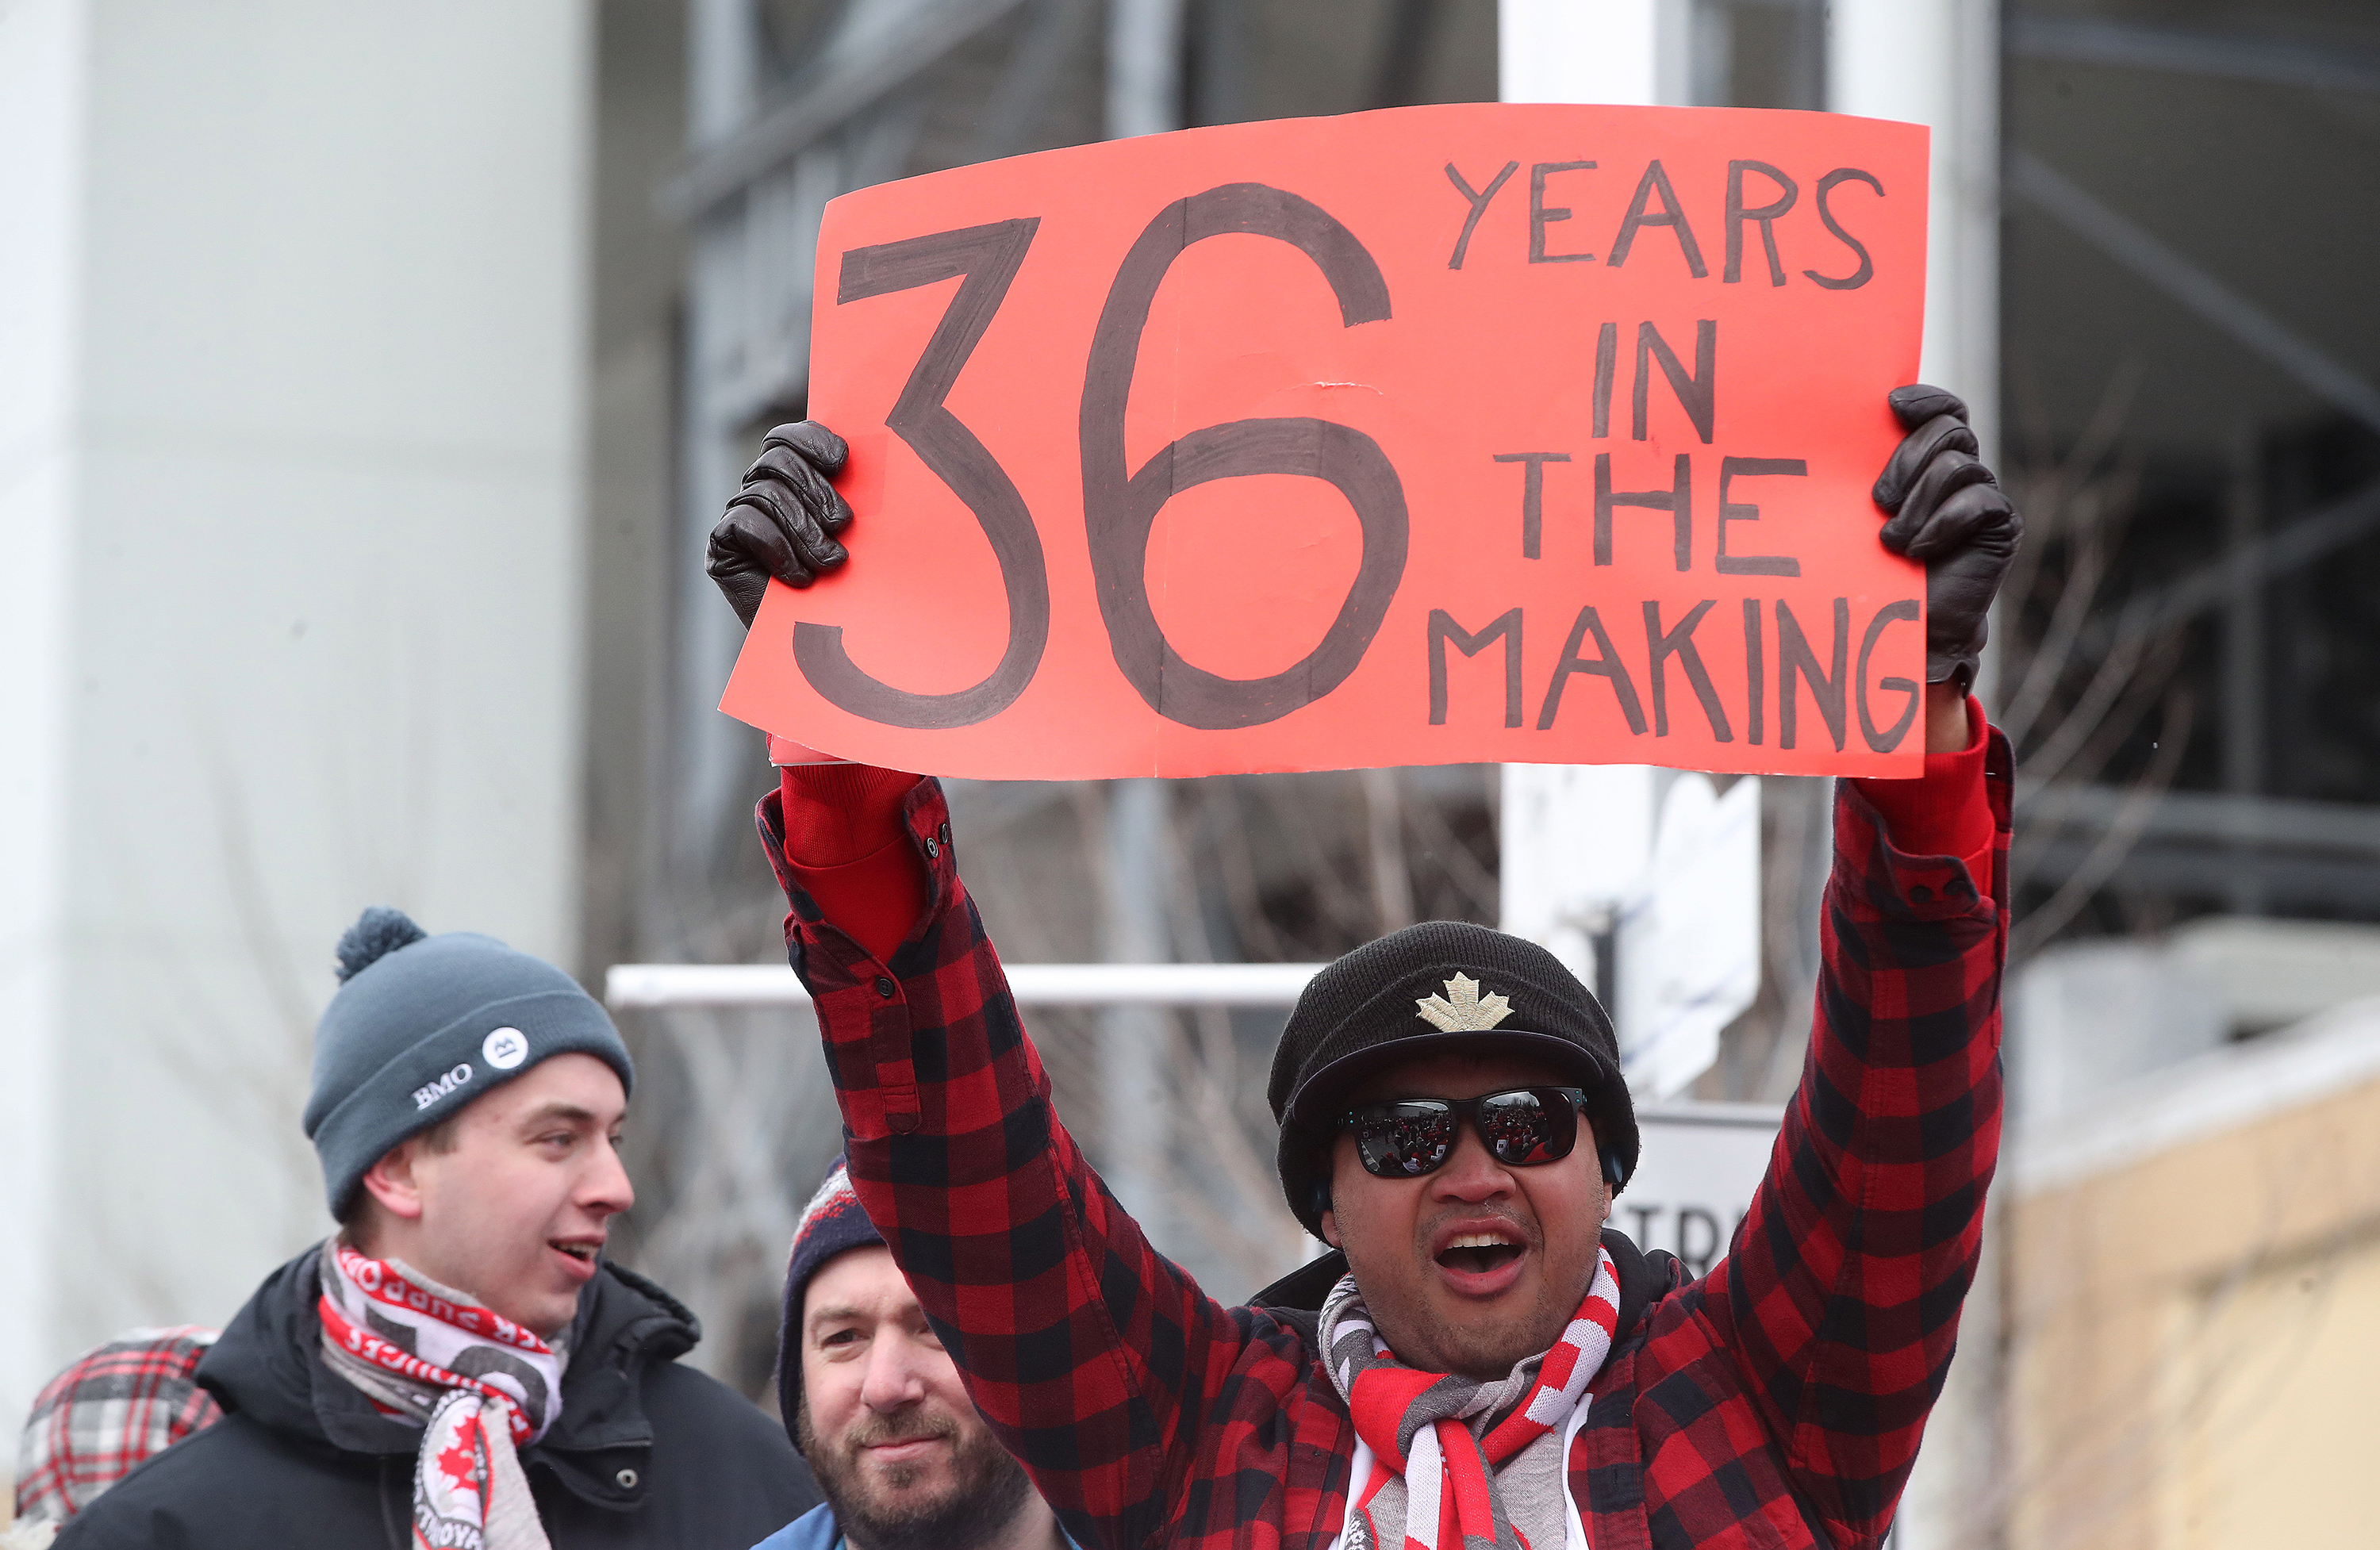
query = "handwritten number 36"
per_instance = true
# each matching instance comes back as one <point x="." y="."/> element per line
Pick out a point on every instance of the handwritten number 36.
<point x="1120" y="508"/>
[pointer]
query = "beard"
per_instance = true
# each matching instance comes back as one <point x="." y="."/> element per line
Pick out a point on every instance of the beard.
<point x="883" y="1509"/>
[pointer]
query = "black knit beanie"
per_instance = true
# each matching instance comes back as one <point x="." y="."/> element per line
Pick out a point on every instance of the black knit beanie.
<point x="832" y="1223"/>
<point x="422" y="1025"/>
<point x="1442" y="987"/>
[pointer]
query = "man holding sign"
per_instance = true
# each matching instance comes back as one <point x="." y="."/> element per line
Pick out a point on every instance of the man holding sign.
<point x="1481" y="1360"/>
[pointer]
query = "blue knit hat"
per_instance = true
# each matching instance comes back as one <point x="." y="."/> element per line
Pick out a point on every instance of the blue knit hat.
<point x="831" y="1223"/>
<point x="422" y="1025"/>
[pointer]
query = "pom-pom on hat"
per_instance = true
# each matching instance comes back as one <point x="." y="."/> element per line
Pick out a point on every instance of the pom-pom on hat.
<point x="832" y="1223"/>
<point x="377" y="932"/>
<point x="422" y="1025"/>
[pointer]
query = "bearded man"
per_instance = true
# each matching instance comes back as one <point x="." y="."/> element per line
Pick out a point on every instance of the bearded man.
<point x="1482" y="1361"/>
<point x="876" y="1405"/>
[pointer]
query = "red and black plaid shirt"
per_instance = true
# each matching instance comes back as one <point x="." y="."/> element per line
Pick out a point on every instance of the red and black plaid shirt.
<point x="1776" y="1401"/>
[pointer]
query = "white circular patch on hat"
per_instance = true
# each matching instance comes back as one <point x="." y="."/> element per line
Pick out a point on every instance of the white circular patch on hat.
<point x="506" y="1048"/>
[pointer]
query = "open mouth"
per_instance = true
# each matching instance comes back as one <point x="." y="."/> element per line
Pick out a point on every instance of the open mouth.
<point x="583" y="1253"/>
<point x="1478" y="1254"/>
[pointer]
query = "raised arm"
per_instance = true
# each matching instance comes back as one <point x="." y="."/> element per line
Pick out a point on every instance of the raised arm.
<point x="1840" y="1294"/>
<point x="1094" y="1358"/>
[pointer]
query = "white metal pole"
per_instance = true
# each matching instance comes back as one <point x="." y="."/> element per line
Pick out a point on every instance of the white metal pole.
<point x="1033" y="985"/>
<point x="1132" y="1045"/>
<point x="1143" y="97"/>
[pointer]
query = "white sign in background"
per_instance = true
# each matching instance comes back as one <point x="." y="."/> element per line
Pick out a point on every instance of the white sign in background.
<point x="1646" y="883"/>
<point x="1694" y="1182"/>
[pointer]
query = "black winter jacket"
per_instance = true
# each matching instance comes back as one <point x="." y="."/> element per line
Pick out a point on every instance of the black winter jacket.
<point x="647" y="1453"/>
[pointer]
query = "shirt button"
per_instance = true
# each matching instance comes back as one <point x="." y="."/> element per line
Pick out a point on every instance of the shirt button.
<point x="931" y="849"/>
<point x="1920" y="894"/>
<point x="626" y="1480"/>
<point x="946" y="834"/>
<point x="884" y="985"/>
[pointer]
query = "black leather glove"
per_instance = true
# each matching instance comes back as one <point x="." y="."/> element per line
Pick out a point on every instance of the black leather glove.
<point x="1948" y="512"/>
<point x="782" y="522"/>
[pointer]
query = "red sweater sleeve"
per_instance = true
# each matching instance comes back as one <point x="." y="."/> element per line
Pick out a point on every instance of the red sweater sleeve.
<point x="1946" y="813"/>
<point x="845" y="841"/>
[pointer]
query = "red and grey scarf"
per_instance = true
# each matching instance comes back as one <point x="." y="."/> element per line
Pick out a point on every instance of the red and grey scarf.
<point x="1437" y="1440"/>
<point x="482" y="1386"/>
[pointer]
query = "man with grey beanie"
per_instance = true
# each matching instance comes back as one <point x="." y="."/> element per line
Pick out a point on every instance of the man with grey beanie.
<point x="459" y="1365"/>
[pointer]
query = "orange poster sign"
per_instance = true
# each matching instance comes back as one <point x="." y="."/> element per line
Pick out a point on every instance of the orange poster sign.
<point x="1526" y="433"/>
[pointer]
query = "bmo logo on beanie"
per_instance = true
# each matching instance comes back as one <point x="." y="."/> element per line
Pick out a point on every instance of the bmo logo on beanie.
<point x="423" y="1025"/>
<point x="429" y="1092"/>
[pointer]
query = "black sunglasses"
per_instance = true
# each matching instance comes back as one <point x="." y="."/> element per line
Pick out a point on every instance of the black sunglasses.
<point x="1521" y="1127"/>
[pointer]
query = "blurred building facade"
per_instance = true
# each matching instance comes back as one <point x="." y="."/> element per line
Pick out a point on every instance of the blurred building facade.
<point x="2191" y="1270"/>
<point x="291" y="566"/>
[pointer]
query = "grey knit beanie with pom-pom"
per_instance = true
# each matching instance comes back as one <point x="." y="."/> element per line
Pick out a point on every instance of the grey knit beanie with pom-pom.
<point x="422" y="1025"/>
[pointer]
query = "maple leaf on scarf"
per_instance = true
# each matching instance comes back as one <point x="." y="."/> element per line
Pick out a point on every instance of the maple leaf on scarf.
<point x="461" y="1464"/>
<point x="1462" y="1010"/>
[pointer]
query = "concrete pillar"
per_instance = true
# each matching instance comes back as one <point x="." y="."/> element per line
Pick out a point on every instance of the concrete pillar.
<point x="1936" y="61"/>
<point x="290" y="356"/>
<point x="42" y="106"/>
<point x="1594" y="50"/>
<point x="1144" y="67"/>
<point x="1578" y="841"/>
<point x="1564" y="885"/>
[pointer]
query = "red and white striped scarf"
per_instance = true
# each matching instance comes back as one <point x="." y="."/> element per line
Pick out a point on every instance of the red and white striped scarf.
<point x="1415" y="1424"/>
<point x="480" y="1384"/>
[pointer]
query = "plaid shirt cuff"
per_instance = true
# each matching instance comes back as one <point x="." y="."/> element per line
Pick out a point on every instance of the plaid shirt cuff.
<point x="1963" y="800"/>
<point x="865" y="1002"/>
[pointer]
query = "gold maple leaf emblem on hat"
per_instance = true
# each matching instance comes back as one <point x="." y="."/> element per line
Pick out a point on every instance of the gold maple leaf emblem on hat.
<point x="1462" y="1010"/>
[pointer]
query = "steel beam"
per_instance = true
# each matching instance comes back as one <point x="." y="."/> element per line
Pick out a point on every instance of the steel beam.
<point x="2319" y="533"/>
<point x="2216" y="56"/>
<point x="2197" y="291"/>
<point x="845" y="82"/>
<point x="2211" y="872"/>
<point x="2339" y="828"/>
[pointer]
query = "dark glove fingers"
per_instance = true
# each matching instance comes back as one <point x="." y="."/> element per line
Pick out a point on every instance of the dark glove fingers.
<point x="759" y="530"/>
<point x="777" y="525"/>
<point x="1916" y="451"/>
<point x="1916" y="403"/>
<point x="823" y="552"/>
<point x="1949" y="512"/>
<point x="1977" y="515"/>
<point x="1959" y="594"/>
<point x="822" y="447"/>
<point x="1948" y="473"/>
<point x="808" y="486"/>
<point x="794" y="520"/>
<point x="741" y="579"/>
<point x="1959" y="591"/>
<point x="799" y="522"/>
